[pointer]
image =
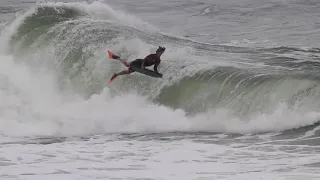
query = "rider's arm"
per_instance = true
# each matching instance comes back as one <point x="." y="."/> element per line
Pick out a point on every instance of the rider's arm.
<point x="155" y="67"/>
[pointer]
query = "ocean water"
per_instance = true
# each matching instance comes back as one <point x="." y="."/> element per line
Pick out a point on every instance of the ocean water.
<point x="239" y="97"/>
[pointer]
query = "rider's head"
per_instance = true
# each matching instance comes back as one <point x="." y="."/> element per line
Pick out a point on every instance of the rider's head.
<point x="160" y="50"/>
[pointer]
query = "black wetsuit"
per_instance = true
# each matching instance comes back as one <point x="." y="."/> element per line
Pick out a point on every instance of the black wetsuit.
<point x="151" y="59"/>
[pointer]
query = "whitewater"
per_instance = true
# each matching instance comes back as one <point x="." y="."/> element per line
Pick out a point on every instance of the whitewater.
<point x="242" y="108"/>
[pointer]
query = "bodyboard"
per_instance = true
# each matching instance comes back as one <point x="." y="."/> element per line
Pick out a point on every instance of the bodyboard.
<point x="146" y="72"/>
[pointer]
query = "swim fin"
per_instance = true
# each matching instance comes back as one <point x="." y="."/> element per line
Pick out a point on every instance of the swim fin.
<point x="113" y="56"/>
<point x="112" y="78"/>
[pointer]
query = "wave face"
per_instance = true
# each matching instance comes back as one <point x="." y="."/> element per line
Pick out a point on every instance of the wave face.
<point x="54" y="70"/>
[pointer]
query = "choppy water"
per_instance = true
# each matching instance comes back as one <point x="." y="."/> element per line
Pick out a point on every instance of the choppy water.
<point x="239" y="98"/>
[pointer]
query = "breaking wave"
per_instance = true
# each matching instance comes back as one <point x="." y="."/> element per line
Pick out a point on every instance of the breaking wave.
<point x="54" y="70"/>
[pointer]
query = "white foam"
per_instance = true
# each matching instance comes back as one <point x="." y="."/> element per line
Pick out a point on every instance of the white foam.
<point x="222" y="120"/>
<point x="33" y="105"/>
